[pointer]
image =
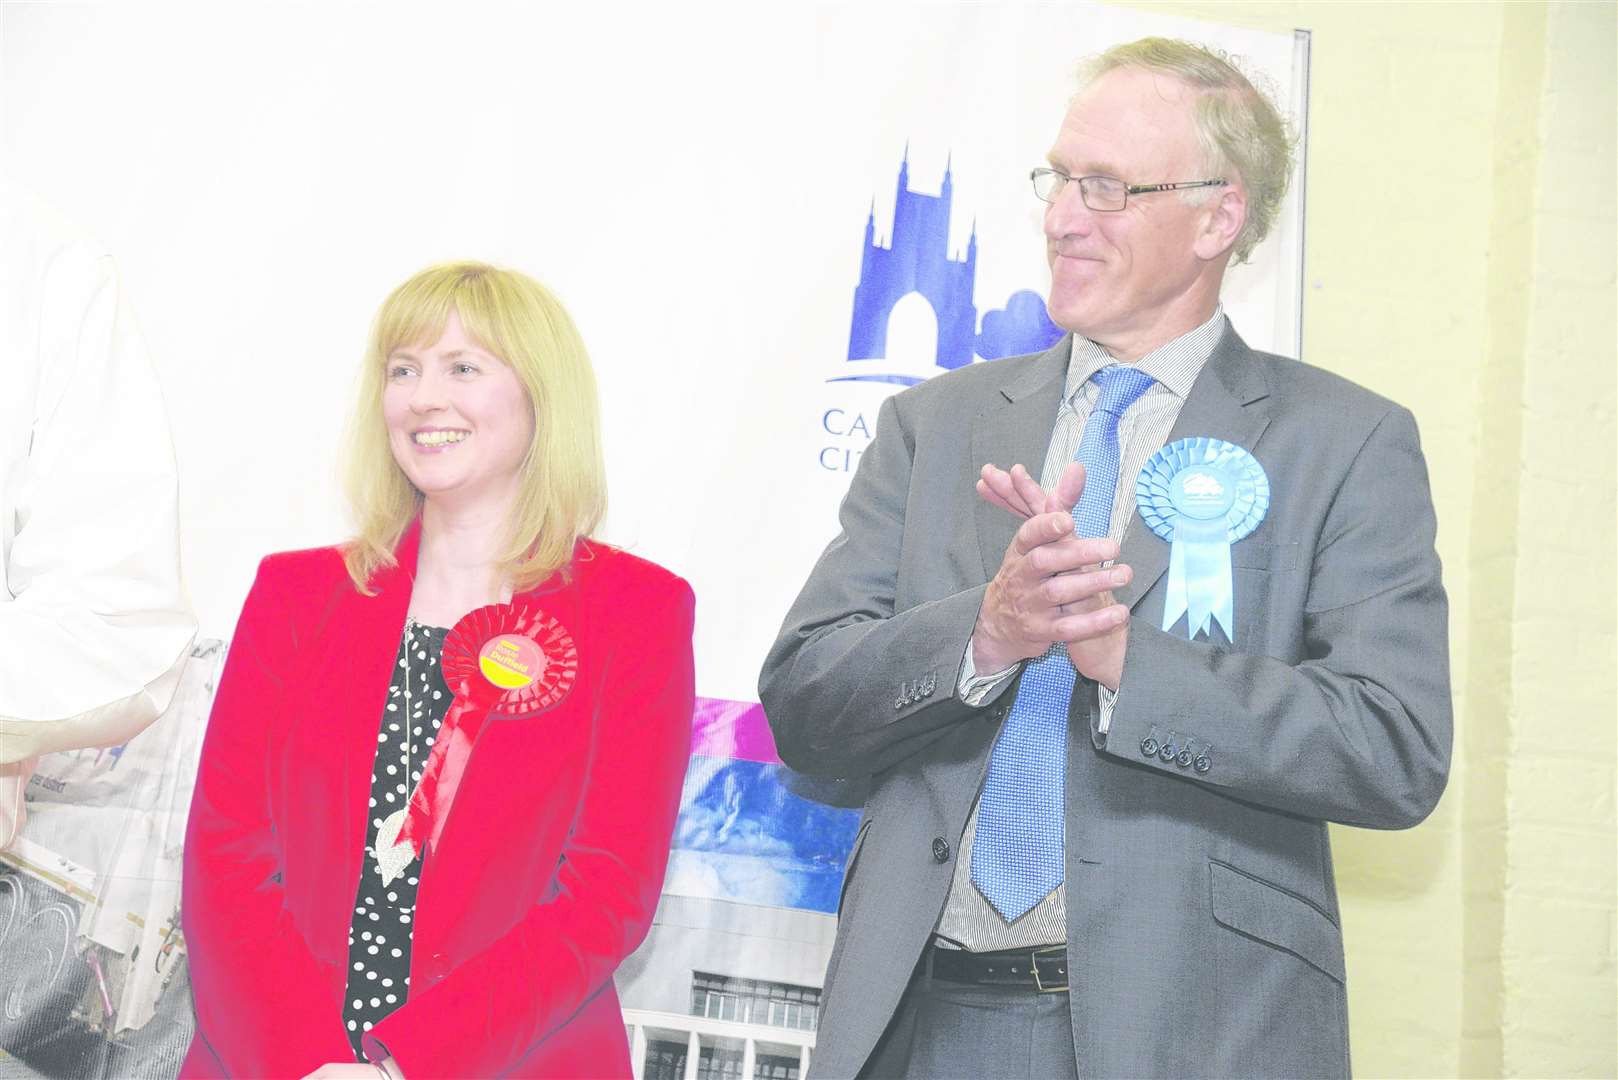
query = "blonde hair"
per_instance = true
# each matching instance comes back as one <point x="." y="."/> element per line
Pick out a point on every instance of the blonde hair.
<point x="1241" y="129"/>
<point x="562" y="489"/>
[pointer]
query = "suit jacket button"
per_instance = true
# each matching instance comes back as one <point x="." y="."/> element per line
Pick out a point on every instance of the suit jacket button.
<point x="940" y="849"/>
<point x="1148" y="746"/>
<point x="1167" y="751"/>
<point x="1203" y="763"/>
<point x="1183" y="759"/>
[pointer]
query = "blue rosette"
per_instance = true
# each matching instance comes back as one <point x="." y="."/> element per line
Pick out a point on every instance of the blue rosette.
<point x="1202" y="495"/>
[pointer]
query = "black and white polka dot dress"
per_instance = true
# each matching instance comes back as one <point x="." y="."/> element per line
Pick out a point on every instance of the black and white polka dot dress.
<point x="384" y="915"/>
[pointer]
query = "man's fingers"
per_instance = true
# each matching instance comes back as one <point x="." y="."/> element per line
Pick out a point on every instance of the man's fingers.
<point x="1016" y="491"/>
<point x="993" y="498"/>
<point x="1069" y="486"/>
<point x="1017" y="480"/>
<point x="1040" y="530"/>
<point x="1028" y="489"/>
<point x="1009" y="495"/>
<point x="1075" y="588"/>
<point x="1088" y="624"/>
<point x="1047" y="541"/>
<point x="1004" y="484"/>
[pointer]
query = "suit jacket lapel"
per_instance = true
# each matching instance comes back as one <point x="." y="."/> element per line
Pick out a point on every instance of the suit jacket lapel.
<point x="1014" y="428"/>
<point x="1223" y="404"/>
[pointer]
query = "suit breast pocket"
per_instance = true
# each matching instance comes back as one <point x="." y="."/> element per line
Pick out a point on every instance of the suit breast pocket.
<point x="1266" y="555"/>
<point x="1270" y="588"/>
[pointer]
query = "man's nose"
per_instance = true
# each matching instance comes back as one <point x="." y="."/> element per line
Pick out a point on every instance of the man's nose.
<point x="1066" y="215"/>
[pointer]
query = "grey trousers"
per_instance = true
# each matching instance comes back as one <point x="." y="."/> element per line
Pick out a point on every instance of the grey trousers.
<point x="945" y="1030"/>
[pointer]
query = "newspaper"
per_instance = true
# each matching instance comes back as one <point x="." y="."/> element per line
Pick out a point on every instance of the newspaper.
<point x="90" y="947"/>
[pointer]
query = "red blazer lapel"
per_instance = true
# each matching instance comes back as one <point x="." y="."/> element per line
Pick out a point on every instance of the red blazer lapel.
<point x="370" y="627"/>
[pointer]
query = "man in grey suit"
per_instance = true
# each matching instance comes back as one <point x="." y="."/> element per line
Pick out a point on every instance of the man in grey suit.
<point x="1095" y="845"/>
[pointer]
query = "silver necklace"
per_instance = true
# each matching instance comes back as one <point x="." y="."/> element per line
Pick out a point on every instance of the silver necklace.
<point x="390" y="855"/>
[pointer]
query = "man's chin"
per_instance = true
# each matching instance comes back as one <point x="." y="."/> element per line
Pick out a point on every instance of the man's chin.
<point x="1071" y="317"/>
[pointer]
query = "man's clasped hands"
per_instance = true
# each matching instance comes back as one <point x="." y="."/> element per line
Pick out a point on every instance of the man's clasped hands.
<point x="1052" y="586"/>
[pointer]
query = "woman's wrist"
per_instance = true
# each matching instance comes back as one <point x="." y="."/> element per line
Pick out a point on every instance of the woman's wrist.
<point x="388" y="1069"/>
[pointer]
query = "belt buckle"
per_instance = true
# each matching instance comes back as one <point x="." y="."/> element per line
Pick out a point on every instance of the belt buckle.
<point x="1033" y="963"/>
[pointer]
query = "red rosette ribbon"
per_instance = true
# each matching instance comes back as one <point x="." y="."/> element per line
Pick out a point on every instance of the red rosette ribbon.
<point x="502" y="662"/>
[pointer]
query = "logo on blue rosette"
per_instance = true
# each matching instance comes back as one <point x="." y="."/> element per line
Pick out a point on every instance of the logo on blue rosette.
<point x="1202" y="495"/>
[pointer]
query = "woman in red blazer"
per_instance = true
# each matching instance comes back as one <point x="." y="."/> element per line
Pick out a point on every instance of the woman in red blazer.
<point x="488" y="946"/>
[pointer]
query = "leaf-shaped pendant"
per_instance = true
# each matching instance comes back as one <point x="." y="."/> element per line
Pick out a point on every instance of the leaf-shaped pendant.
<point x="391" y="854"/>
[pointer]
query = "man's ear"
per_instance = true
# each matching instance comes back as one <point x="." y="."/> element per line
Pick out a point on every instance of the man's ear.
<point x="1222" y="223"/>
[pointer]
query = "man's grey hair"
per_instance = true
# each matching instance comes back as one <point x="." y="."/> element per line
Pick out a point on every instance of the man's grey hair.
<point x="1241" y="129"/>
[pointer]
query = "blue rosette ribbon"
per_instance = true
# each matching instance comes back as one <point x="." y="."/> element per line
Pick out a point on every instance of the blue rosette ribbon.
<point x="1202" y="495"/>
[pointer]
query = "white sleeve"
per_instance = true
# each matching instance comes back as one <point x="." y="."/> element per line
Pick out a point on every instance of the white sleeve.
<point x="975" y="689"/>
<point x="92" y="613"/>
<point x="1104" y="703"/>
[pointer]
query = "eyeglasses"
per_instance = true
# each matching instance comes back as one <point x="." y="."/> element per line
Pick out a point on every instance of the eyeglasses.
<point x="1105" y="193"/>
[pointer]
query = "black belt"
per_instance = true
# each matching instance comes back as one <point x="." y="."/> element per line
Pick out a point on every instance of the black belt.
<point x="1044" y="970"/>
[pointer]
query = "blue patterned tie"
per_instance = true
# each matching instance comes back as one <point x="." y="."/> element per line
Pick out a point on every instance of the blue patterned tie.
<point x="1019" y="851"/>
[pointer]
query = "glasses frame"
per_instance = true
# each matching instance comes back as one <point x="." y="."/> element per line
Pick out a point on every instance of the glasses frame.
<point x="1129" y="189"/>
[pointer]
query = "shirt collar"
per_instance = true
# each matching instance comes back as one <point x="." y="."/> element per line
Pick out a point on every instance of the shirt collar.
<point x="1175" y="365"/>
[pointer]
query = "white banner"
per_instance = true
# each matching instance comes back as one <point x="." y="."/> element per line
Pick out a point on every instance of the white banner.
<point x="765" y="219"/>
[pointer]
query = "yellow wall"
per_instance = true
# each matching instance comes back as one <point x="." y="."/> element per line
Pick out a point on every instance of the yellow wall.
<point x="1557" y="950"/>
<point x="1460" y="258"/>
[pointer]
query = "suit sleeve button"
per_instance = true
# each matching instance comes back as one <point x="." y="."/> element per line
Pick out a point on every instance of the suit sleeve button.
<point x="1148" y="746"/>
<point x="1167" y="752"/>
<point x="940" y="849"/>
<point x="1203" y="763"/>
<point x="1183" y="759"/>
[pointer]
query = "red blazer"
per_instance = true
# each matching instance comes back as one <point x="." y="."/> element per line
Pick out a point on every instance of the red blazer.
<point x="548" y="868"/>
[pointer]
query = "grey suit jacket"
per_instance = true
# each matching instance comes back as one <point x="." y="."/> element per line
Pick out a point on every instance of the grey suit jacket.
<point x="1203" y="929"/>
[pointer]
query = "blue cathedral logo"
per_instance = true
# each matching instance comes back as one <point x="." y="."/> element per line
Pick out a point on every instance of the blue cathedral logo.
<point x="916" y="259"/>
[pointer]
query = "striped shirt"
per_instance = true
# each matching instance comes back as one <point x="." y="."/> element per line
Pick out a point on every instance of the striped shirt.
<point x="968" y="919"/>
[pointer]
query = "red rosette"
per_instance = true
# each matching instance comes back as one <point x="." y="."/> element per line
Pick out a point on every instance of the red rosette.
<point x="513" y="659"/>
<point x="502" y="662"/>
